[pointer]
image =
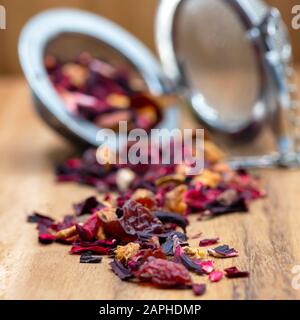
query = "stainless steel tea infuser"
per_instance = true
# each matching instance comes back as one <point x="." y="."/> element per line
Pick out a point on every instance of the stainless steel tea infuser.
<point x="230" y="61"/>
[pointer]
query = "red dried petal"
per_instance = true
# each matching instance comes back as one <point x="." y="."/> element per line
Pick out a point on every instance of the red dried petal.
<point x="46" y="238"/>
<point x="215" y="276"/>
<point x="88" y="231"/>
<point x="208" y="242"/>
<point x="207" y="266"/>
<point x="142" y="256"/>
<point x="103" y="247"/>
<point x="234" y="272"/>
<point x="199" y="289"/>
<point x="164" y="273"/>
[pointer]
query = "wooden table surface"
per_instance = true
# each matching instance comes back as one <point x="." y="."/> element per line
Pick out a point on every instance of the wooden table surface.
<point x="267" y="237"/>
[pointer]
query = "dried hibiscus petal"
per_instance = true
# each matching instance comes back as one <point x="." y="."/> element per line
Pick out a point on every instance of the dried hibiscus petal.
<point x="46" y="238"/>
<point x="215" y="276"/>
<point x="142" y="256"/>
<point x="103" y="247"/>
<point x="171" y="241"/>
<point x="164" y="273"/>
<point x="171" y="217"/>
<point x="218" y="207"/>
<point x="87" y="257"/>
<point x="199" y="199"/>
<point x="199" y="289"/>
<point x="188" y="262"/>
<point x="120" y="270"/>
<point x="234" y="272"/>
<point x="223" y="251"/>
<point x="115" y="230"/>
<point x="207" y="266"/>
<point x="87" y="206"/>
<point x="208" y="242"/>
<point x="68" y="222"/>
<point x="89" y="230"/>
<point x="40" y="218"/>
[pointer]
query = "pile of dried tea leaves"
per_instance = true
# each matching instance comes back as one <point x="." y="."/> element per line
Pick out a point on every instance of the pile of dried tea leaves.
<point x="141" y="221"/>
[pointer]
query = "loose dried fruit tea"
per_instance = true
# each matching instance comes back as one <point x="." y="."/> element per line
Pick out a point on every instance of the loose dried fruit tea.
<point x="102" y="93"/>
<point x="166" y="188"/>
<point x="141" y="221"/>
<point x="145" y="244"/>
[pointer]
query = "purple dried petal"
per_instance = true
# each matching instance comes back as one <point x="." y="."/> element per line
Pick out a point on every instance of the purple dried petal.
<point x="168" y="246"/>
<point x="218" y="208"/>
<point x="87" y="206"/>
<point x="189" y="263"/>
<point x="67" y="222"/>
<point x="199" y="289"/>
<point x="223" y="251"/>
<point x="171" y="217"/>
<point x="88" y="258"/>
<point x="36" y="217"/>
<point x="122" y="272"/>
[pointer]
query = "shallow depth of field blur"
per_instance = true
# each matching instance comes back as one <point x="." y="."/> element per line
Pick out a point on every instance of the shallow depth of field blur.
<point x="135" y="15"/>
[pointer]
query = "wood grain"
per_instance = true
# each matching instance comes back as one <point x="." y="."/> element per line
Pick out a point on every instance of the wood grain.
<point x="267" y="237"/>
<point x="135" y="15"/>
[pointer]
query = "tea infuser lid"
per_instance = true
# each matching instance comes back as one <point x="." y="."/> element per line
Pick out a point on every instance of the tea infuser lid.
<point x="231" y="60"/>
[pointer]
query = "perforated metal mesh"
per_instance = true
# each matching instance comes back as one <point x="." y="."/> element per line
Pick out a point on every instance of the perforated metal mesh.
<point x="217" y="57"/>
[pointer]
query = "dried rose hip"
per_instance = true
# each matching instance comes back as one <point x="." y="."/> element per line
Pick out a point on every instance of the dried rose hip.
<point x="138" y="220"/>
<point x="164" y="273"/>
